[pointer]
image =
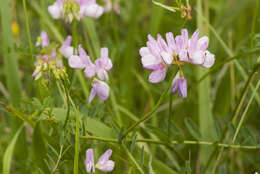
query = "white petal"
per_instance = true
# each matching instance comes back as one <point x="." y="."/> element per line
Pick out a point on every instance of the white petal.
<point x="197" y="57"/>
<point x="208" y="60"/>
<point x="144" y="51"/>
<point x="107" y="167"/>
<point x="75" y="62"/>
<point x="157" y="75"/>
<point x="94" y="11"/>
<point x="55" y="10"/>
<point x="167" y="57"/>
<point x="67" y="51"/>
<point x="149" y="61"/>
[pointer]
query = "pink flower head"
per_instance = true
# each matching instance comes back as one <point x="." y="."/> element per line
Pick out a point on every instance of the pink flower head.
<point x="66" y="49"/>
<point x="99" y="88"/>
<point x="43" y="40"/>
<point x="179" y="84"/>
<point x="103" y="64"/>
<point x="104" y="163"/>
<point x="194" y="50"/>
<point x="157" y="56"/>
<point x="68" y="9"/>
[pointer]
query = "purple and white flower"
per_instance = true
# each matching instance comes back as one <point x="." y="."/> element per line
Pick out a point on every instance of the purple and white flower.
<point x="100" y="68"/>
<point x="179" y="84"/>
<point x="104" y="163"/>
<point x="43" y="40"/>
<point x="159" y="54"/>
<point x="66" y="49"/>
<point x="70" y="9"/>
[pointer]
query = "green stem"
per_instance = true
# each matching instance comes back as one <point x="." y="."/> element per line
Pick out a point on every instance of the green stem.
<point x="185" y="142"/>
<point x="68" y="106"/>
<point x="253" y="29"/>
<point x="28" y="28"/>
<point x="245" y="112"/>
<point x="150" y="114"/>
<point x="58" y="161"/>
<point x="76" y="156"/>
<point x="133" y="160"/>
<point x="170" y="115"/>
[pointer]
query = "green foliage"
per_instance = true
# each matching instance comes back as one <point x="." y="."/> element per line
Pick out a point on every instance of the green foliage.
<point x="214" y="130"/>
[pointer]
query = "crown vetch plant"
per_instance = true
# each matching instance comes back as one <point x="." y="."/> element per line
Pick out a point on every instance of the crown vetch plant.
<point x="149" y="133"/>
<point x="158" y="55"/>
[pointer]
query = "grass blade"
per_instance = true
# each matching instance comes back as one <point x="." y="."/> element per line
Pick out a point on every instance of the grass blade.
<point x="9" y="152"/>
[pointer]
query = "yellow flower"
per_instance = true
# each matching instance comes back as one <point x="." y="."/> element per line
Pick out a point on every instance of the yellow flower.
<point x="15" y="28"/>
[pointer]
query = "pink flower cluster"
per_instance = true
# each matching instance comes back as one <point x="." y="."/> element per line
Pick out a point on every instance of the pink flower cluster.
<point x="70" y="9"/>
<point x="159" y="54"/>
<point x="100" y="68"/>
<point x="104" y="163"/>
<point x="42" y="61"/>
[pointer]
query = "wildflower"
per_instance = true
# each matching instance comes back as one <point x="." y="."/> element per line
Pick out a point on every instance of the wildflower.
<point x="100" y="69"/>
<point x="179" y="84"/>
<point x="47" y="61"/>
<point x="100" y="88"/>
<point x="66" y="49"/>
<point x="194" y="50"/>
<point x="103" y="64"/>
<point x="155" y="57"/>
<point x="158" y="55"/>
<point x="104" y="163"/>
<point x="43" y="40"/>
<point x="75" y="9"/>
<point x="15" y="28"/>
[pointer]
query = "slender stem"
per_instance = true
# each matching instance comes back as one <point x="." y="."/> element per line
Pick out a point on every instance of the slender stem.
<point x="28" y="28"/>
<point x="76" y="156"/>
<point x="185" y="142"/>
<point x="58" y="161"/>
<point x="68" y="106"/>
<point x="150" y="114"/>
<point x="245" y="112"/>
<point x="138" y="167"/>
<point x="170" y="115"/>
<point x="17" y="114"/>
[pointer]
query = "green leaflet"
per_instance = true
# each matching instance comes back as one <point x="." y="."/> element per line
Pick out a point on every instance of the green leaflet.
<point x="9" y="152"/>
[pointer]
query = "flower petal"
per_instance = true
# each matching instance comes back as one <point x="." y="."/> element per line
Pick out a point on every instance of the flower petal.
<point x="55" y="10"/>
<point x="149" y="61"/>
<point x="167" y="57"/>
<point x="101" y="88"/>
<point x="92" y="95"/>
<point x="197" y="57"/>
<point x="94" y="11"/>
<point x="107" y="167"/>
<point x="89" y="162"/>
<point x="76" y="62"/>
<point x="144" y="51"/>
<point x="170" y="41"/>
<point x="203" y="43"/>
<point x="102" y="74"/>
<point x="182" y="88"/>
<point x="157" y="75"/>
<point x="209" y="59"/>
